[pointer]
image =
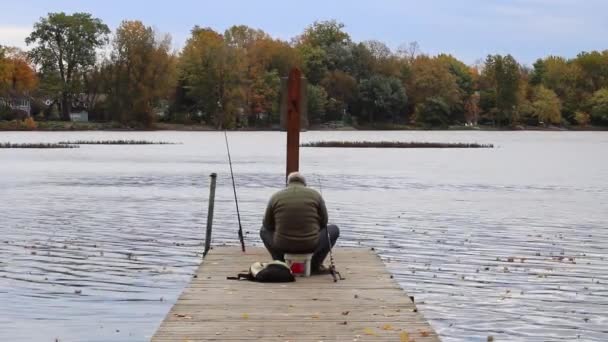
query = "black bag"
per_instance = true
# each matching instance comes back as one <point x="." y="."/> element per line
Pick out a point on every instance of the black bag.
<point x="267" y="272"/>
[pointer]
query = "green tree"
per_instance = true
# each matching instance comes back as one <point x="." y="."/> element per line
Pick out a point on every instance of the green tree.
<point x="67" y="43"/>
<point x="317" y="101"/>
<point x="324" y="34"/>
<point x="546" y="106"/>
<point x="362" y="62"/>
<point x="324" y="46"/>
<point x="502" y="74"/>
<point x="433" y="112"/>
<point x="599" y="107"/>
<point x="538" y="72"/>
<point x="314" y="62"/>
<point x="382" y="99"/>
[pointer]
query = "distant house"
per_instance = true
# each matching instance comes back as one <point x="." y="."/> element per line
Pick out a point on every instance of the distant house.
<point x="21" y="103"/>
<point x="82" y="116"/>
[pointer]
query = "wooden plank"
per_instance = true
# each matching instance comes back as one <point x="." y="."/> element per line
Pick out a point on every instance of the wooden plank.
<point x="367" y="306"/>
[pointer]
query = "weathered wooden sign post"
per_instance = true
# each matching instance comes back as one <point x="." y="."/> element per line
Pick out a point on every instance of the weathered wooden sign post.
<point x="294" y="103"/>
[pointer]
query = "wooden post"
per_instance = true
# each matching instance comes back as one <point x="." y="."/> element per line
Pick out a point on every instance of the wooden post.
<point x="293" y="121"/>
<point x="210" y="214"/>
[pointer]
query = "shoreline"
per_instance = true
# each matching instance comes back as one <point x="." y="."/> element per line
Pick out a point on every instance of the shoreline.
<point x="60" y="126"/>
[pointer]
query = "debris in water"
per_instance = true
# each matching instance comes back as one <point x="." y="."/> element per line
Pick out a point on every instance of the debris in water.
<point x="77" y="291"/>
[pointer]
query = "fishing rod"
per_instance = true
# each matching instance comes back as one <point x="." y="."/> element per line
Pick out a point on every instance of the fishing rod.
<point x="332" y="265"/>
<point x="236" y="201"/>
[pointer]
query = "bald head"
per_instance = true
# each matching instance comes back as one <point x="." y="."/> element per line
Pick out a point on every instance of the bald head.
<point x="296" y="177"/>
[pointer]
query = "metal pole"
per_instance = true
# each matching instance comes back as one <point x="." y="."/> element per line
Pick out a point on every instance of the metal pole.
<point x="210" y="213"/>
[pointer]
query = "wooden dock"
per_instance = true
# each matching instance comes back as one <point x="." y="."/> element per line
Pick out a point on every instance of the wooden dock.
<point x="367" y="306"/>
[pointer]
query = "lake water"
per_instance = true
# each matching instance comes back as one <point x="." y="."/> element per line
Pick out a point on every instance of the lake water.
<point x="97" y="243"/>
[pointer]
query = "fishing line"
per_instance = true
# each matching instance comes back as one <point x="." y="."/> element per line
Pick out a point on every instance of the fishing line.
<point x="236" y="201"/>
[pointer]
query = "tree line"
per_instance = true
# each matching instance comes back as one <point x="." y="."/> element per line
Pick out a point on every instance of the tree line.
<point x="233" y="79"/>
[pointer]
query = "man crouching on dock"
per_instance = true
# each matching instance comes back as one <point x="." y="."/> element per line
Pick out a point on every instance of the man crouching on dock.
<point x="296" y="222"/>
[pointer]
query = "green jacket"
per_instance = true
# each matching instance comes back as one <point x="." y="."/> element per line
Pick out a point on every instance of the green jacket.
<point x="295" y="215"/>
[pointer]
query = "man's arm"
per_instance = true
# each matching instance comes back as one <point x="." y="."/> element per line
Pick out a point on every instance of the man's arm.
<point x="269" y="217"/>
<point x="322" y="213"/>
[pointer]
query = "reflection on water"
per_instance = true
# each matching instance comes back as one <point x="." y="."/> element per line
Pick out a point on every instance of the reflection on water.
<point x="98" y="242"/>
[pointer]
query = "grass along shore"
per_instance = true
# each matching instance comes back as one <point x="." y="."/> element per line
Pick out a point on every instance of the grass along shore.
<point x="393" y="144"/>
<point x="37" y="145"/>
<point x="116" y="142"/>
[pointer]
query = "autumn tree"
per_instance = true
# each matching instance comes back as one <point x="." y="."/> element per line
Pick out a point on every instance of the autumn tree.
<point x="67" y="43"/>
<point x="563" y="77"/>
<point x="341" y="89"/>
<point x="546" y="106"/>
<point x="142" y="68"/>
<point x="472" y="109"/>
<point x="599" y="107"/>
<point x="594" y="69"/>
<point x="431" y="77"/>
<point x="17" y="74"/>
<point x="207" y="69"/>
<point x="582" y="118"/>
<point x="259" y="63"/>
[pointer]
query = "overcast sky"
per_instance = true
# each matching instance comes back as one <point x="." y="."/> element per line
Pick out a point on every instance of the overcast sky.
<point x="468" y="29"/>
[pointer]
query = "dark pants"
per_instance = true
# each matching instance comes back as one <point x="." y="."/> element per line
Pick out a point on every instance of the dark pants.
<point x="319" y="254"/>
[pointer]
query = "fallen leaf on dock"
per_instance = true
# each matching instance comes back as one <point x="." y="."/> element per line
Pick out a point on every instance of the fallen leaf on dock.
<point x="245" y="316"/>
<point x="387" y="327"/>
<point x="369" y="331"/>
<point x="404" y="337"/>
<point x="345" y="313"/>
<point x="183" y="316"/>
<point x="424" y="333"/>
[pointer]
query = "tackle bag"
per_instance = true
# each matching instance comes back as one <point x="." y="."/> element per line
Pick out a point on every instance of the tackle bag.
<point x="267" y="272"/>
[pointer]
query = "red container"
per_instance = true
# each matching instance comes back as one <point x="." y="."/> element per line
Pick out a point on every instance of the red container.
<point x="298" y="267"/>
